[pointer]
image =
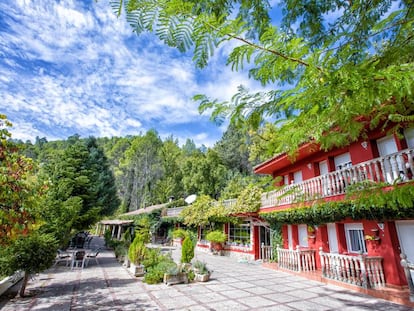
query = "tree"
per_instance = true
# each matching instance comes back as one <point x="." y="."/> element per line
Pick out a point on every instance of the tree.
<point x="204" y="173"/>
<point x="22" y="246"/>
<point x="82" y="187"/>
<point x="330" y="79"/>
<point x="20" y="190"/>
<point x="31" y="254"/>
<point x="233" y="149"/>
<point x="102" y="178"/>
<point x="142" y="169"/>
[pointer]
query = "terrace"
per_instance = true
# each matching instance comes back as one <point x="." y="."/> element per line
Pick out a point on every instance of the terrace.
<point x="391" y="169"/>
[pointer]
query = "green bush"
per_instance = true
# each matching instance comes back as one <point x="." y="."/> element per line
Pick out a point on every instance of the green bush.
<point x="187" y="250"/>
<point x="107" y="237"/>
<point x="216" y="236"/>
<point x="137" y="250"/>
<point x="179" y="233"/>
<point x="152" y="258"/>
<point x="155" y="273"/>
<point x="31" y="254"/>
<point x="121" y="250"/>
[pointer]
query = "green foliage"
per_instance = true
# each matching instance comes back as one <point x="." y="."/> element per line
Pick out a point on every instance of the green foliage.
<point x="200" y="267"/>
<point x="20" y="190"/>
<point x="143" y="225"/>
<point x="324" y="69"/>
<point x="156" y="264"/>
<point x="179" y="233"/>
<point x="197" y="214"/>
<point x="380" y="205"/>
<point x="187" y="250"/>
<point x="137" y="250"/>
<point x="121" y="250"/>
<point x="248" y="201"/>
<point x="107" y="237"/>
<point x="216" y="236"/>
<point x="33" y="254"/>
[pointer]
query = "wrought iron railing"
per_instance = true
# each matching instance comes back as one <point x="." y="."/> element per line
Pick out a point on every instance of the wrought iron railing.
<point x="360" y="270"/>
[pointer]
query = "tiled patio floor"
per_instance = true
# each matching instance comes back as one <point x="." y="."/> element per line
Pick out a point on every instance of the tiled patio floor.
<point x="233" y="286"/>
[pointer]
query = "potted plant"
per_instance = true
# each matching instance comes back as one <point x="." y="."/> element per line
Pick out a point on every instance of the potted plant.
<point x="179" y="235"/>
<point x="216" y="238"/>
<point x="136" y="255"/>
<point x="176" y="275"/>
<point x="201" y="273"/>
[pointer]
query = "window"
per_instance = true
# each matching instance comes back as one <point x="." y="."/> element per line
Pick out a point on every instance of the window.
<point x="297" y="177"/>
<point x="409" y="137"/>
<point x="240" y="233"/>
<point x="342" y="161"/>
<point x="286" y="180"/>
<point x="355" y="241"/>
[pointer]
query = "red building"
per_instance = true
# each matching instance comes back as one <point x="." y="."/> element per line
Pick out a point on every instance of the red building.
<point x="363" y="242"/>
<point x="355" y="241"/>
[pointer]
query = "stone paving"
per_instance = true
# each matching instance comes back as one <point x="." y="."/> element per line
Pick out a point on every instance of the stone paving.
<point x="233" y="286"/>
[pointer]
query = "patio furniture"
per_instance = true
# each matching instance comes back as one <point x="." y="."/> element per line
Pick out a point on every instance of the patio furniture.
<point x="92" y="255"/>
<point x="78" y="259"/>
<point x="62" y="256"/>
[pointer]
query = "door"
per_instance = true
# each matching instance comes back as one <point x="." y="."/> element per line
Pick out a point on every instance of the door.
<point x="332" y="238"/>
<point x="387" y="146"/>
<point x="323" y="170"/>
<point x="405" y="230"/>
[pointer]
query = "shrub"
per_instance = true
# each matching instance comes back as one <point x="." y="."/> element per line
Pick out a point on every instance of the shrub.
<point x="31" y="254"/>
<point x="187" y="250"/>
<point x="155" y="273"/>
<point x="137" y="250"/>
<point x="216" y="236"/>
<point x="179" y="233"/>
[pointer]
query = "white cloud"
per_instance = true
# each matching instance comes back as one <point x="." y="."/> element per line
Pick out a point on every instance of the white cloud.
<point x="69" y="69"/>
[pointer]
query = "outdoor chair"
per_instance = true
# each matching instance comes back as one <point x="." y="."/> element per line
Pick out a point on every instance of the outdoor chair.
<point x="92" y="255"/>
<point x="78" y="259"/>
<point x="62" y="256"/>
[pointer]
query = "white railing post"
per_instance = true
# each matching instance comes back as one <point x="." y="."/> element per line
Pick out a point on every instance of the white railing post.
<point x="407" y="270"/>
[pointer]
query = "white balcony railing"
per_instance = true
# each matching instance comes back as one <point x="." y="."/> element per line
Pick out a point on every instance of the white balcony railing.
<point x="361" y="270"/>
<point x="394" y="168"/>
<point x="297" y="259"/>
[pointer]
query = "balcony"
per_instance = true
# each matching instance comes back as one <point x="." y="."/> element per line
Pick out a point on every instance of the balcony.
<point x="391" y="169"/>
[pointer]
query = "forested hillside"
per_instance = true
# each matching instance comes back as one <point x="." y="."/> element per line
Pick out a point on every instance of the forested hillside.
<point x="121" y="174"/>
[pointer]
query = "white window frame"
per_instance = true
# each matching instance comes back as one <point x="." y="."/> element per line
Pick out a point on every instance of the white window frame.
<point x="343" y="161"/>
<point x="409" y="137"/>
<point x="297" y="177"/>
<point x="357" y="230"/>
<point x="303" y="235"/>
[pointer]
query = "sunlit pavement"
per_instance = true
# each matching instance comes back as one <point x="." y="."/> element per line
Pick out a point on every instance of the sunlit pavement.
<point x="233" y="286"/>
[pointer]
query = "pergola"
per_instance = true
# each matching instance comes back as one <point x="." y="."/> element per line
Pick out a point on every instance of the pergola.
<point x="116" y="226"/>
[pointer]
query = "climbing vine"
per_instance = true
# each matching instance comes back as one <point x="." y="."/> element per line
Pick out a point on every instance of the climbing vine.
<point x="396" y="203"/>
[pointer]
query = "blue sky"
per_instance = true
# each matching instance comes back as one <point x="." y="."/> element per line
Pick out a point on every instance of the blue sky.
<point x="71" y="67"/>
